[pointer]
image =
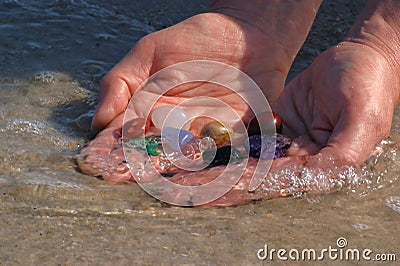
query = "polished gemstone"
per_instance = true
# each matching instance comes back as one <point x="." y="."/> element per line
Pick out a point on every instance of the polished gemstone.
<point x="152" y="145"/>
<point x="167" y="174"/>
<point x="220" y="132"/>
<point x="223" y="156"/>
<point x="255" y="146"/>
<point x="188" y="158"/>
<point x="171" y="116"/>
<point x="192" y="149"/>
<point x="281" y="146"/>
<point x="267" y="122"/>
<point x="263" y="146"/>
<point x="176" y="138"/>
<point x="207" y="143"/>
<point x="278" y="123"/>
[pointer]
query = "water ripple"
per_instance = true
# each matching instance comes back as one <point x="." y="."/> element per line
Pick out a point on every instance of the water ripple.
<point x="393" y="202"/>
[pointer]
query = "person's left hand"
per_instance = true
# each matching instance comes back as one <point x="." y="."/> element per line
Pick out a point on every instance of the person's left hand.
<point x="342" y="105"/>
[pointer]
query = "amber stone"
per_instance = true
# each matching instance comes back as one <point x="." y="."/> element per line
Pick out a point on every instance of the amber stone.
<point x="265" y="120"/>
<point x="218" y="131"/>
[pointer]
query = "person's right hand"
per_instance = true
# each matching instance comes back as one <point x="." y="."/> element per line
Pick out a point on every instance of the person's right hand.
<point x="208" y="36"/>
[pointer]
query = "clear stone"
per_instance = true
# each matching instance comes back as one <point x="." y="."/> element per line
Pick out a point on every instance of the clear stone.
<point x="207" y="143"/>
<point x="170" y="116"/>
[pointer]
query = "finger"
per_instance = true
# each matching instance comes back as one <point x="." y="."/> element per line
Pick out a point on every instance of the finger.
<point x="117" y="87"/>
<point x="302" y="146"/>
<point x="114" y="97"/>
<point x="294" y="105"/>
<point x="355" y="136"/>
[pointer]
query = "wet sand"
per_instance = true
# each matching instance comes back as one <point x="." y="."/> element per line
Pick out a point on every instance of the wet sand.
<point x="52" y="57"/>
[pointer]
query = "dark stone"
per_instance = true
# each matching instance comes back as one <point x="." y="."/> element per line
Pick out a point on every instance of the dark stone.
<point x="167" y="174"/>
<point x="222" y="156"/>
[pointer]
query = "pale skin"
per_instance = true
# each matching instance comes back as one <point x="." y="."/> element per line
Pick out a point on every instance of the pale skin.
<point x="349" y="109"/>
<point x="341" y="106"/>
<point x="225" y="35"/>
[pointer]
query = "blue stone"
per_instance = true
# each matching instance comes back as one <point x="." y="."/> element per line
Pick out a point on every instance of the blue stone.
<point x="263" y="146"/>
<point x="176" y="138"/>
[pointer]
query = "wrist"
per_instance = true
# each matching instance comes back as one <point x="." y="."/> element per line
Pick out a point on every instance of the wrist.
<point x="285" y="22"/>
<point x="378" y="27"/>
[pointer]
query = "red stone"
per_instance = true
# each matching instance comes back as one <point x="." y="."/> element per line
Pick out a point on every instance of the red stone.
<point x="265" y="118"/>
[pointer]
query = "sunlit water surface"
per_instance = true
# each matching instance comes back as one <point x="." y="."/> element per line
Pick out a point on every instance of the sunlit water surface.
<point x="52" y="56"/>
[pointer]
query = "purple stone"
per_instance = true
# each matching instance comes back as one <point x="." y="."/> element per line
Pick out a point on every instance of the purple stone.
<point x="255" y="146"/>
<point x="265" y="149"/>
<point x="282" y="145"/>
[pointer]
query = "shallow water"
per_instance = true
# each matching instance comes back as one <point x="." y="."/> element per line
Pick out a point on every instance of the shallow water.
<point x="52" y="56"/>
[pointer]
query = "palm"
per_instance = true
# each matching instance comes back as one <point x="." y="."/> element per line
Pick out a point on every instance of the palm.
<point x="206" y="36"/>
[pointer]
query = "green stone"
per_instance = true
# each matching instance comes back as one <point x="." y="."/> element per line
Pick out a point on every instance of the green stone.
<point x="152" y="146"/>
<point x="149" y="144"/>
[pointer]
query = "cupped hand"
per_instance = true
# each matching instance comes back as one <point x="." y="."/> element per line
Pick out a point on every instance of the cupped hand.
<point x="342" y="105"/>
<point x="209" y="36"/>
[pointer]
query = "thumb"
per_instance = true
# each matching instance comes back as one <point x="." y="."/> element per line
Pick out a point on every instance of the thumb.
<point x="118" y="85"/>
<point x="113" y="99"/>
<point x="355" y="136"/>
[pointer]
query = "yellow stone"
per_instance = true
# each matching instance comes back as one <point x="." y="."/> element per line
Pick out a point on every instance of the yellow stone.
<point x="218" y="131"/>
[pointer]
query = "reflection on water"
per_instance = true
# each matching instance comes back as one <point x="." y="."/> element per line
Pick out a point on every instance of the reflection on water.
<point x="51" y="56"/>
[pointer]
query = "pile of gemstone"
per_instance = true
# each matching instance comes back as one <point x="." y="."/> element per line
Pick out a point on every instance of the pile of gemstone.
<point x="213" y="147"/>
